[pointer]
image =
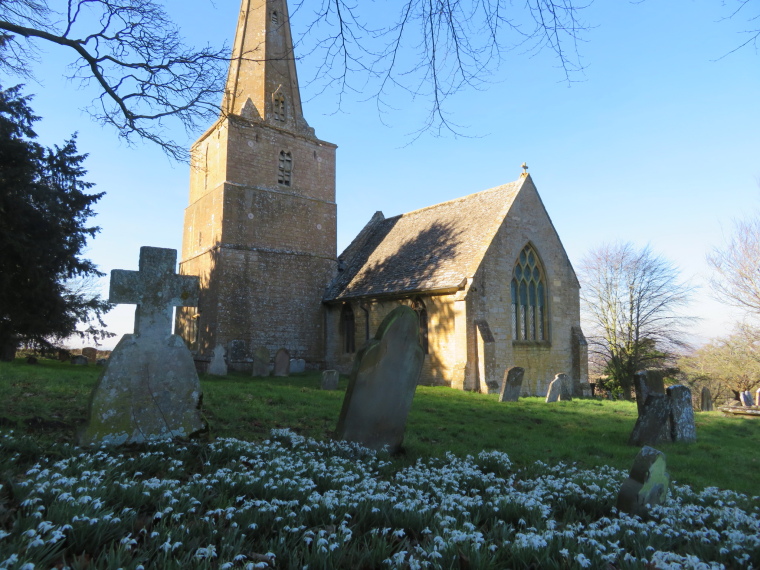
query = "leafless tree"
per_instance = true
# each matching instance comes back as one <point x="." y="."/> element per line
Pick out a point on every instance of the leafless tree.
<point x="631" y="303"/>
<point x="736" y="266"/>
<point x="145" y="73"/>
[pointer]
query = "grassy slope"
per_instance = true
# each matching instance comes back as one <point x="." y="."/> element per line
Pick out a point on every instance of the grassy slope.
<point x="50" y="400"/>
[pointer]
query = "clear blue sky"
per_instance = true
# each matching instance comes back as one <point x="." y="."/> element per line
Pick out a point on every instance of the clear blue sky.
<point x="658" y="142"/>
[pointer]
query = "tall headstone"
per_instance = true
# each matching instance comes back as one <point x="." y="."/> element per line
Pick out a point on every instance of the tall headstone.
<point x="682" y="427"/>
<point x="282" y="362"/>
<point x="554" y="393"/>
<point x="565" y="387"/>
<point x="218" y="366"/>
<point x="647" y="382"/>
<point x="329" y="380"/>
<point x="91" y="353"/>
<point x="149" y="388"/>
<point x="646" y="485"/>
<point x="652" y="425"/>
<point x="260" y="361"/>
<point x="746" y="399"/>
<point x="706" y="403"/>
<point x="382" y="384"/>
<point x="512" y="384"/>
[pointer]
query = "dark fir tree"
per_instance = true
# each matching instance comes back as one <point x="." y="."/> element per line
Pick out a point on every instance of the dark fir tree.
<point x="44" y="209"/>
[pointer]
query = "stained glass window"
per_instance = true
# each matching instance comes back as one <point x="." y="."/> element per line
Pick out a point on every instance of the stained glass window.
<point x="528" y="293"/>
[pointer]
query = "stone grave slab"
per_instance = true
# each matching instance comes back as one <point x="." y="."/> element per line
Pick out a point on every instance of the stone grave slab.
<point x="149" y="388"/>
<point x="555" y="390"/>
<point x="80" y="360"/>
<point x="682" y="427"/>
<point x="382" y="384"/>
<point x="297" y="365"/>
<point x="646" y="485"/>
<point x="652" y="425"/>
<point x="218" y="366"/>
<point x="329" y="380"/>
<point x="705" y="401"/>
<point x="511" y="385"/>
<point x="282" y="362"/>
<point x="260" y="361"/>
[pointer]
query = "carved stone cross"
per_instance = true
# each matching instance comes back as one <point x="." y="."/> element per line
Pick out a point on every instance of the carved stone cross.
<point x="156" y="290"/>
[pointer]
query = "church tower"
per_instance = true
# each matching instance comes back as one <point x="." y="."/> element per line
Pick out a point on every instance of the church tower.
<point x="260" y="230"/>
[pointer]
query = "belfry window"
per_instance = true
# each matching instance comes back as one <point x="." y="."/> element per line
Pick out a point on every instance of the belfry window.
<point x="278" y="107"/>
<point x="275" y="18"/>
<point x="348" y="326"/>
<point x="528" y="288"/>
<point x="419" y="308"/>
<point x="285" y="168"/>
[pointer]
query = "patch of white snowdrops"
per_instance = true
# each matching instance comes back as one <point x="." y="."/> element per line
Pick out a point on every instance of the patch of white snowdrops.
<point x="292" y="502"/>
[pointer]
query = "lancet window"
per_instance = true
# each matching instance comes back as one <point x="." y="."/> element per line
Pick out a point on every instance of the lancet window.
<point x="285" y="168"/>
<point x="278" y="107"/>
<point x="528" y="288"/>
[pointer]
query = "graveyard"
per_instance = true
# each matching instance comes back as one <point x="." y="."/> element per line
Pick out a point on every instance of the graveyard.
<point x="517" y="484"/>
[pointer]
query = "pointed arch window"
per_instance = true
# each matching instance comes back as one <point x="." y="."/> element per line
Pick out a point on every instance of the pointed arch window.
<point x="285" y="168"/>
<point x="528" y="291"/>
<point x="348" y="326"/>
<point x="278" y="107"/>
<point x="419" y="308"/>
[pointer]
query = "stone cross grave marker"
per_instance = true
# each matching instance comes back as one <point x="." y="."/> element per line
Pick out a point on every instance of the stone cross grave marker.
<point x="646" y="485"/>
<point x="149" y="388"/>
<point x="260" y="361"/>
<point x="706" y="403"/>
<point x="218" y="366"/>
<point x="512" y="384"/>
<point x="329" y="380"/>
<point x="282" y="362"/>
<point x="382" y="384"/>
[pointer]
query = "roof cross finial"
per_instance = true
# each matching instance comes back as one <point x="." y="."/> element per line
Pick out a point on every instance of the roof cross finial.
<point x="525" y="169"/>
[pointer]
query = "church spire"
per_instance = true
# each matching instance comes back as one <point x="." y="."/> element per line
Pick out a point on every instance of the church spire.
<point x="262" y="81"/>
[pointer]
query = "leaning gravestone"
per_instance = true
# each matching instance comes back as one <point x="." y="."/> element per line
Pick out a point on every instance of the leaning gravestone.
<point x="512" y="384"/>
<point x="652" y="425"/>
<point x="260" y="361"/>
<point x="555" y="390"/>
<point x="382" y="384"/>
<point x="297" y="365"/>
<point x="282" y="362"/>
<point x="706" y="403"/>
<point x="149" y="388"/>
<point x="329" y="380"/>
<point x="218" y="366"/>
<point x="646" y="485"/>
<point x="682" y="427"/>
<point x="79" y="360"/>
<point x="91" y="353"/>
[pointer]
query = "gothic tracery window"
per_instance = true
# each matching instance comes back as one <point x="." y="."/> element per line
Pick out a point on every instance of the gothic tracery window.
<point x="528" y="289"/>
<point x="285" y="168"/>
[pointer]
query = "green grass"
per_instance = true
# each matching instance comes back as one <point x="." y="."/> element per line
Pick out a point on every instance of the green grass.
<point x="49" y="401"/>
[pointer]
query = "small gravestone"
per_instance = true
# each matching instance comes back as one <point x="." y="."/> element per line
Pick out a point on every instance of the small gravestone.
<point x="512" y="384"/>
<point x="297" y="365"/>
<point x="706" y="403"/>
<point x="646" y="485"/>
<point x="218" y="366"/>
<point x="91" y="353"/>
<point x="329" y="380"/>
<point x="757" y="397"/>
<point x="64" y="355"/>
<point x="101" y="362"/>
<point x="565" y="387"/>
<point x="746" y="399"/>
<point x="149" y="389"/>
<point x="236" y="350"/>
<point x="282" y="362"/>
<point x="260" y="361"/>
<point x="79" y="360"/>
<point x="652" y="425"/>
<point x="682" y="427"/>
<point x="382" y="384"/>
<point x="555" y="390"/>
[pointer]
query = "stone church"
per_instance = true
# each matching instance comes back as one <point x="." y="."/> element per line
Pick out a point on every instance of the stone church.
<point x="486" y="273"/>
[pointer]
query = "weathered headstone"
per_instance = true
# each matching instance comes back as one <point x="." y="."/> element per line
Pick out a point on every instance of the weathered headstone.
<point x="706" y="403"/>
<point x="682" y="427"/>
<point x="746" y="398"/>
<point x="647" y="382"/>
<point x="91" y="353"/>
<point x="646" y="485"/>
<point x="64" y="355"/>
<point x="565" y="387"/>
<point x="149" y="388"/>
<point x="282" y="362"/>
<point x="297" y="365"/>
<point x="555" y="390"/>
<point x="329" y="380"/>
<point x="80" y="360"/>
<point x="218" y="366"/>
<point x="652" y="425"/>
<point x="757" y="397"/>
<point x="260" y="361"/>
<point x="512" y="384"/>
<point x="382" y="384"/>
